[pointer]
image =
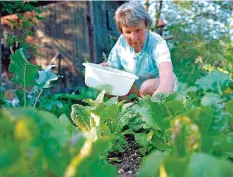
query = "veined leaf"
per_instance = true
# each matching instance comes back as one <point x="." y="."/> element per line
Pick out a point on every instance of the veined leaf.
<point x="205" y="165"/>
<point x="143" y="139"/>
<point x="81" y="117"/>
<point x="172" y="166"/>
<point x="152" y="113"/>
<point x="24" y="72"/>
<point x="46" y="76"/>
<point x="215" y="81"/>
<point x="97" y="101"/>
<point x="100" y="97"/>
<point x="150" y="164"/>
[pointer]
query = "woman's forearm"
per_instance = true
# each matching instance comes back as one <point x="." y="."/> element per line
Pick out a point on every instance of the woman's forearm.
<point x="166" y="78"/>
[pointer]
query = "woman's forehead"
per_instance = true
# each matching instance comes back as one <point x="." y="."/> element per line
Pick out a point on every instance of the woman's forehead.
<point x="140" y="24"/>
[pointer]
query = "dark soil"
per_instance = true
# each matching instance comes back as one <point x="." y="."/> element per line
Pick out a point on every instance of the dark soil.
<point x="128" y="161"/>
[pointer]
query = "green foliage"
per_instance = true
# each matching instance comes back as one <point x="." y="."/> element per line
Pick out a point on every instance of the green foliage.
<point x="151" y="164"/>
<point x="81" y="117"/>
<point x="34" y="141"/>
<point x="23" y="27"/>
<point x="24" y="72"/>
<point x="201" y="39"/>
<point x="216" y="82"/>
<point x="210" y="166"/>
<point x="185" y="137"/>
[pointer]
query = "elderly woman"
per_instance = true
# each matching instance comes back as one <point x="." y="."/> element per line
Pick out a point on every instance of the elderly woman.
<point x="141" y="52"/>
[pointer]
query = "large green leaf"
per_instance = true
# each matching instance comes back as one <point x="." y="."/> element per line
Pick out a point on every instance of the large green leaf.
<point x="153" y="113"/>
<point x="150" y="164"/>
<point x="81" y="117"/>
<point x="203" y="165"/>
<point x="172" y="166"/>
<point x="24" y="72"/>
<point x="174" y="107"/>
<point x="215" y="81"/>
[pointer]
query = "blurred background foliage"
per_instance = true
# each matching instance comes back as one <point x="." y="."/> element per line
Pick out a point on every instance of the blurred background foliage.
<point x="202" y="35"/>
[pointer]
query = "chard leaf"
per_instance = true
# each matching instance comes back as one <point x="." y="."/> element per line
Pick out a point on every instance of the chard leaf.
<point x="206" y="165"/>
<point x="172" y="166"/>
<point x="186" y="138"/>
<point x="46" y="76"/>
<point x="91" y="157"/>
<point x="24" y="72"/>
<point x="152" y="113"/>
<point x="174" y="107"/>
<point x="150" y="164"/>
<point x="100" y="97"/>
<point x="98" y="100"/>
<point x="141" y="139"/>
<point x="81" y="117"/>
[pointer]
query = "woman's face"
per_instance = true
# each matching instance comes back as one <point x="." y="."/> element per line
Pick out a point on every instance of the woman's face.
<point x="135" y="35"/>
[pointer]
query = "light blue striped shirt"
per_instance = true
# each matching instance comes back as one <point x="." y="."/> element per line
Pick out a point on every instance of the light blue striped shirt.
<point x="144" y="64"/>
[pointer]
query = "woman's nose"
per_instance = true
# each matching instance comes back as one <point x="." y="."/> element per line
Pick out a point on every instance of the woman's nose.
<point x="134" y="36"/>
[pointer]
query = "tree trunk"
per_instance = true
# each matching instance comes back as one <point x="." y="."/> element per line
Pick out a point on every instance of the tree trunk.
<point x="158" y="10"/>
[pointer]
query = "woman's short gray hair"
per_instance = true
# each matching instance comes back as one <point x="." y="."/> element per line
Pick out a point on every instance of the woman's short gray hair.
<point x="130" y="14"/>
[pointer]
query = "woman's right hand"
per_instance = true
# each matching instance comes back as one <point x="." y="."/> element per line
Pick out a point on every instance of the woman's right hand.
<point x="104" y="64"/>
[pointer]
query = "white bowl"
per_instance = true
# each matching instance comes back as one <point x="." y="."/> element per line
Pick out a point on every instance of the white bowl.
<point x="114" y="81"/>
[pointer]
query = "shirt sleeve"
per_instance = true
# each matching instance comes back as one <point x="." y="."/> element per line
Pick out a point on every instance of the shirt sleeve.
<point x="114" y="56"/>
<point x="161" y="52"/>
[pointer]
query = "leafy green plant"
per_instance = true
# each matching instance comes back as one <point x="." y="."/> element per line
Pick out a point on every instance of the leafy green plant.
<point x="34" y="141"/>
<point x="108" y="117"/>
<point x="31" y="79"/>
<point x="22" y="28"/>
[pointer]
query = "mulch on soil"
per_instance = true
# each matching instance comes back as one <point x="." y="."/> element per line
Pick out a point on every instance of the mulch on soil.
<point x="128" y="161"/>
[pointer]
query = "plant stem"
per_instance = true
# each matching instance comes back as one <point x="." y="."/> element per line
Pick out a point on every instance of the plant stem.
<point x="219" y="88"/>
<point x="37" y="98"/>
<point x="24" y="88"/>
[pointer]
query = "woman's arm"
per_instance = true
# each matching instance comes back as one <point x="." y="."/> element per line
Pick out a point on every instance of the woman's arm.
<point x="166" y="78"/>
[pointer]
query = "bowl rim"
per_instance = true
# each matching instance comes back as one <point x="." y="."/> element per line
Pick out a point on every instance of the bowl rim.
<point x="99" y="68"/>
